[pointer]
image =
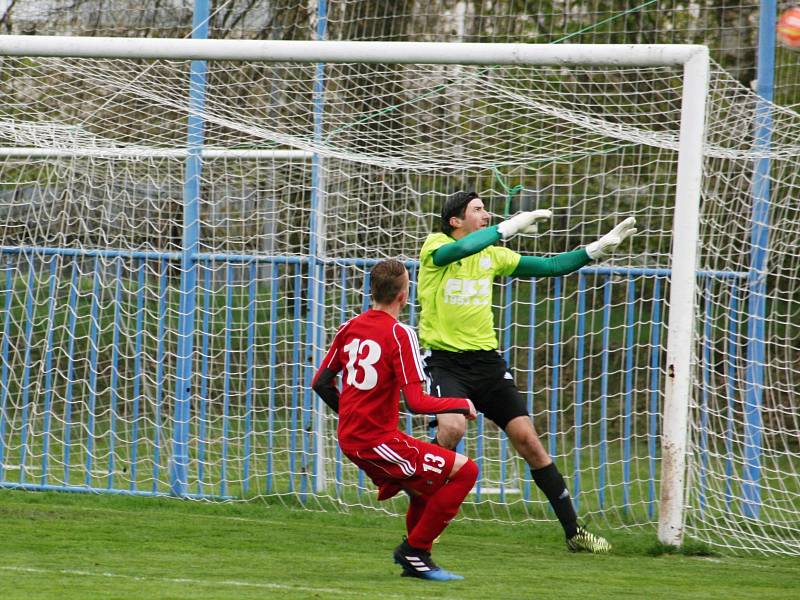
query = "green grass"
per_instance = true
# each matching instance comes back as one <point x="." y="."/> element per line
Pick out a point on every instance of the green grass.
<point x="83" y="546"/>
<point x="618" y="506"/>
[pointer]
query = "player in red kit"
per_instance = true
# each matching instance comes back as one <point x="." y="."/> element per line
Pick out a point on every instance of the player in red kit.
<point x="379" y="357"/>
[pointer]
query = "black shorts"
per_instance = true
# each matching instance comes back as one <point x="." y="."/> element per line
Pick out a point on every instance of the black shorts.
<point x="480" y="375"/>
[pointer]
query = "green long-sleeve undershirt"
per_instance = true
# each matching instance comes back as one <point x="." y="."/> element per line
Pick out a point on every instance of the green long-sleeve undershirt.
<point x="529" y="266"/>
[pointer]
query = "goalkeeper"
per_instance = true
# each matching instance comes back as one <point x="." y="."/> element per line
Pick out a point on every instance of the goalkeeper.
<point x="457" y="269"/>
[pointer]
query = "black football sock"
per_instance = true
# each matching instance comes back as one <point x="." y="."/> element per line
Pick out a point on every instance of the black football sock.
<point x="550" y="481"/>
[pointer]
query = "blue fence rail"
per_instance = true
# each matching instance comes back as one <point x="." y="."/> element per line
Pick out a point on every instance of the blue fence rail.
<point x="88" y="372"/>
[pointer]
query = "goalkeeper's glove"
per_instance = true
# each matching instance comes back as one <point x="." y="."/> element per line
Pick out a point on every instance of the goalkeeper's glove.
<point x="610" y="241"/>
<point x="524" y="222"/>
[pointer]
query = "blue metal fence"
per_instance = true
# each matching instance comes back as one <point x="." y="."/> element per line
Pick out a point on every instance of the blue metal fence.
<point x="60" y="310"/>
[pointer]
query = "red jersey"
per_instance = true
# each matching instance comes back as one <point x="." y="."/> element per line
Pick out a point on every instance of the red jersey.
<point x="379" y="357"/>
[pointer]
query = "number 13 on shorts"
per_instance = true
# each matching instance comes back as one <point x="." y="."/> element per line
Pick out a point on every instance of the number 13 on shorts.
<point x="433" y="462"/>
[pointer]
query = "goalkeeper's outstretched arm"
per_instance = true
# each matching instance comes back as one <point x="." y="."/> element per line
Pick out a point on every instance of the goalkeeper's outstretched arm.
<point x="551" y="266"/>
<point x="561" y="264"/>
<point x="472" y="243"/>
<point x="534" y="266"/>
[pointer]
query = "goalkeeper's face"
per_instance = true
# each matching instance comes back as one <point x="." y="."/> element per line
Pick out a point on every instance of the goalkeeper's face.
<point x="475" y="217"/>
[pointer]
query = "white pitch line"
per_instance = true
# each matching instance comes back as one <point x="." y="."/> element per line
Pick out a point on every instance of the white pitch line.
<point x="182" y="580"/>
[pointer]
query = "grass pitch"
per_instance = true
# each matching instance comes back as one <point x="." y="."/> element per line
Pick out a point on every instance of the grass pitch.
<point x="69" y="546"/>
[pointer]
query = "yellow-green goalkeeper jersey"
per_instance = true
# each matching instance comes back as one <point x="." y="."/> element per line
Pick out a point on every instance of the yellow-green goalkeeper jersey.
<point x="456" y="299"/>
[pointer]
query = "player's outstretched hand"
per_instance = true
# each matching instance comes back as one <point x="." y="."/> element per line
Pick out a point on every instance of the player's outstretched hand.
<point x="610" y="241"/>
<point x="472" y="412"/>
<point x="524" y="222"/>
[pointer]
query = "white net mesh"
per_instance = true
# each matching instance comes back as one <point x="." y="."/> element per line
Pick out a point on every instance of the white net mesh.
<point x="91" y="205"/>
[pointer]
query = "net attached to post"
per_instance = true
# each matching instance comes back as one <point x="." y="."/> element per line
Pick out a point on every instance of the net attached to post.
<point x="92" y="212"/>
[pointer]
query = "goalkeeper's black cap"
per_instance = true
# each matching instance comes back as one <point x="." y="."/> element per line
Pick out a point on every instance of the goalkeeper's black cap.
<point x="455" y="206"/>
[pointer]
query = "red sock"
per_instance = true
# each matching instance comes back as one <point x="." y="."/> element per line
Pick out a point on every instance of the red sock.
<point x="442" y="507"/>
<point x="415" y="509"/>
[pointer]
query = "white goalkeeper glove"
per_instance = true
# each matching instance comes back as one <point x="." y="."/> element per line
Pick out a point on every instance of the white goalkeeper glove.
<point x="610" y="241"/>
<point x="524" y="222"/>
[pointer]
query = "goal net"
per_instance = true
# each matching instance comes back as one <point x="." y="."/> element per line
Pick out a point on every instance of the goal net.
<point x="123" y="371"/>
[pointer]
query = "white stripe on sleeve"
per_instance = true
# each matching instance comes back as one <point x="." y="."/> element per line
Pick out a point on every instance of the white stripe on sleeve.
<point x="412" y="342"/>
<point x="416" y="351"/>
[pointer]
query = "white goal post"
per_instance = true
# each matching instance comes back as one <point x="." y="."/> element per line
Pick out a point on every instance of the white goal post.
<point x="694" y="59"/>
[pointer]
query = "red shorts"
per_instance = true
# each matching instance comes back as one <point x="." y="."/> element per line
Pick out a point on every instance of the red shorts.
<point x="404" y="462"/>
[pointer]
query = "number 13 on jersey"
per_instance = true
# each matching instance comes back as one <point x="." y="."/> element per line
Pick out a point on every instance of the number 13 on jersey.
<point x="362" y="355"/>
